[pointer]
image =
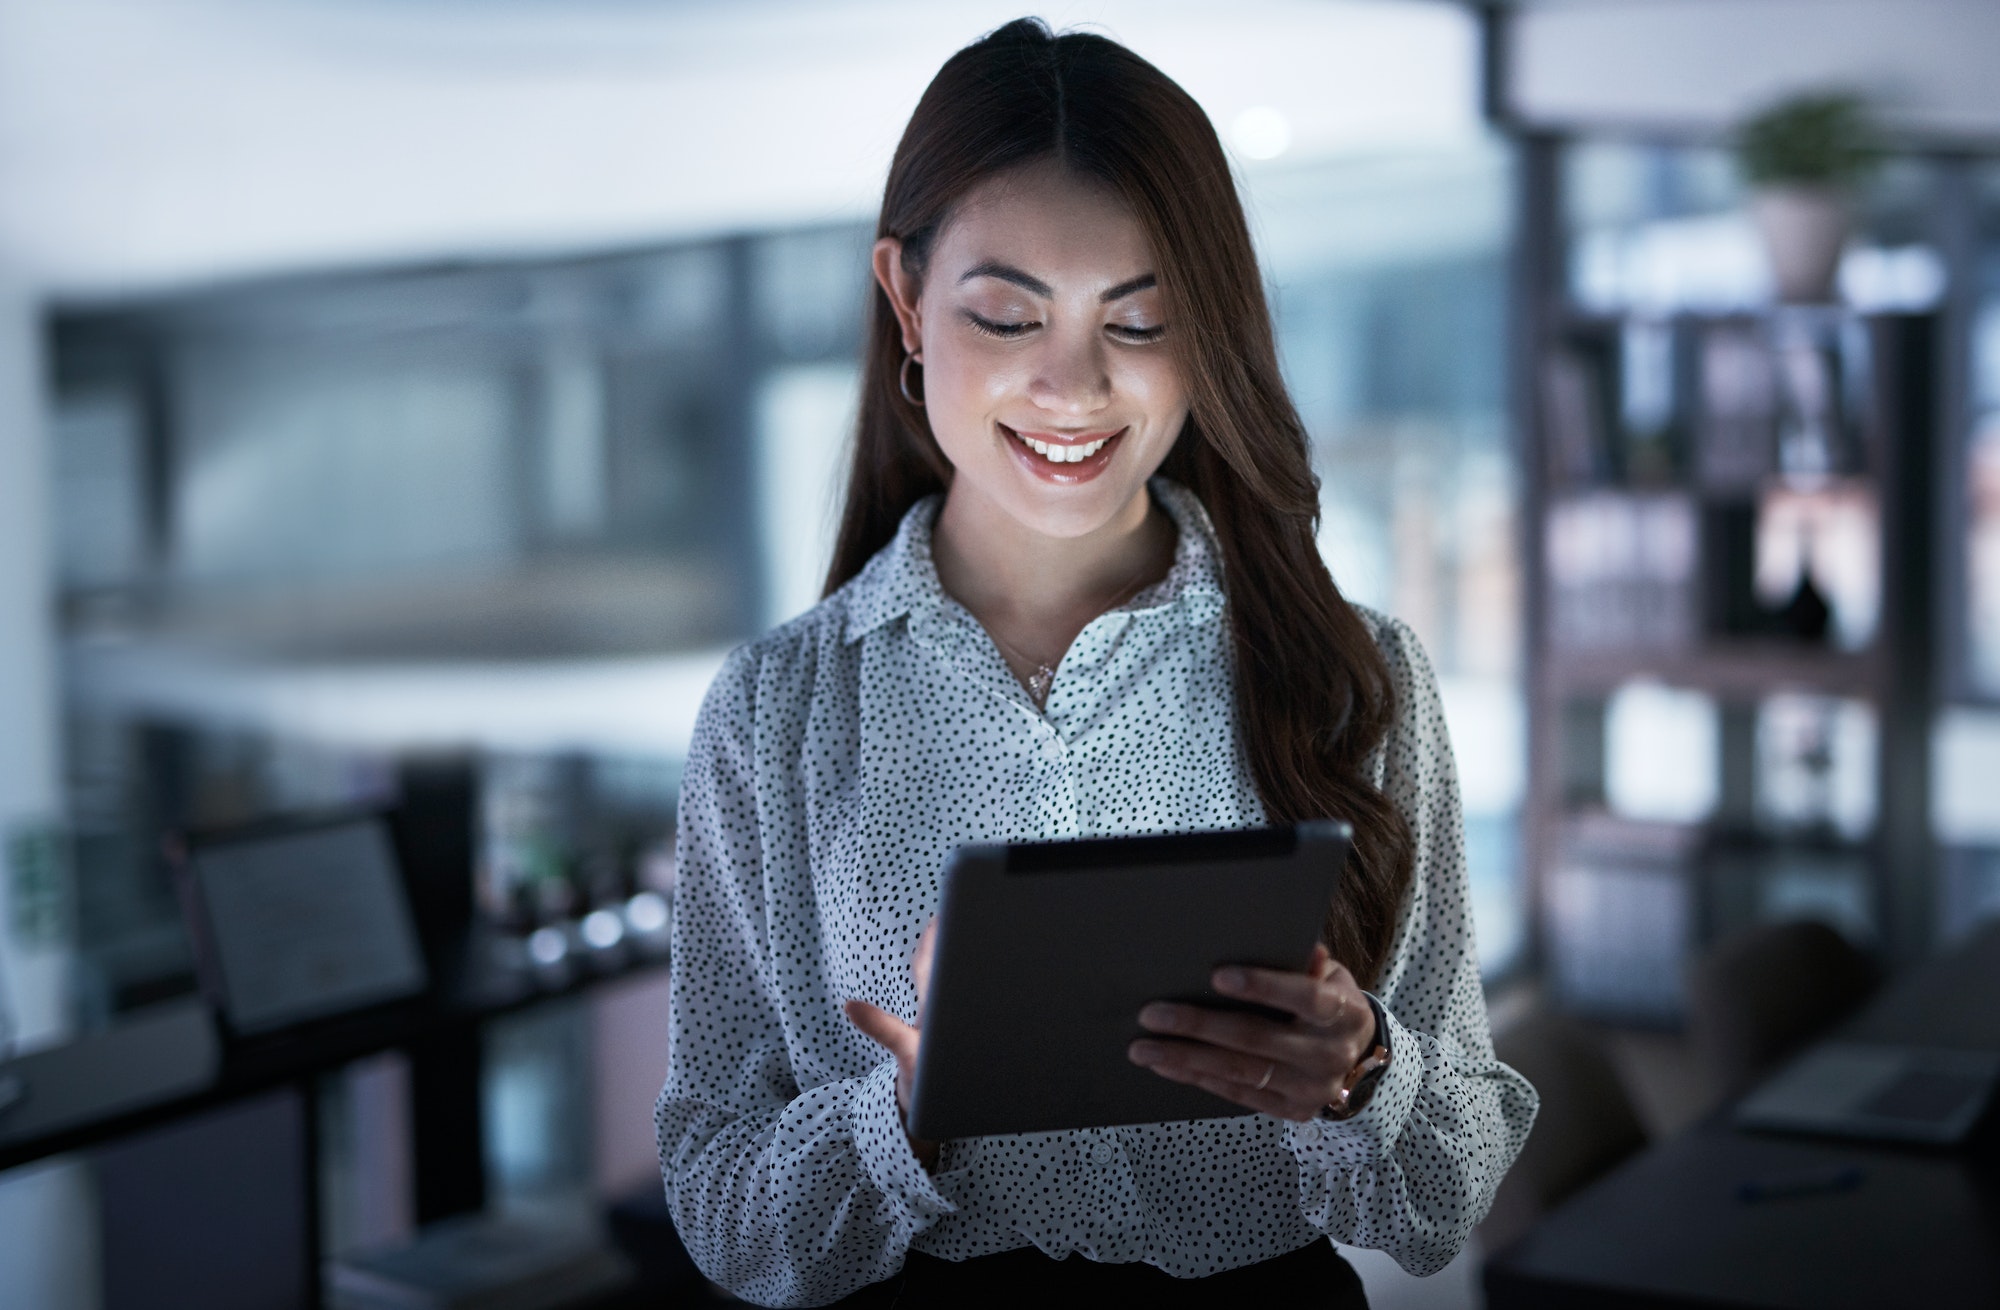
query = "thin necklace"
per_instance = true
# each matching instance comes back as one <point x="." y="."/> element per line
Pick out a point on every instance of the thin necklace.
<point x="1044" y="677"/>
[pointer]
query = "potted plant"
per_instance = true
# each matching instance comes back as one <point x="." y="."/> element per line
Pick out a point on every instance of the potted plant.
<point x="1803" y="156"/>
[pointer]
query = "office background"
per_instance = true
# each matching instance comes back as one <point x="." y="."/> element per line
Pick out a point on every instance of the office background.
<point x="453" y="384"/>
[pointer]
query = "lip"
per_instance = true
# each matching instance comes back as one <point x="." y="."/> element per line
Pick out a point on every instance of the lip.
<point x="1064" y="474"/>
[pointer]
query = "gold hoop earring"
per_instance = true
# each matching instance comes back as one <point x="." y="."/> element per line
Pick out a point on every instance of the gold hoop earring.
<point x="903" y="381"/>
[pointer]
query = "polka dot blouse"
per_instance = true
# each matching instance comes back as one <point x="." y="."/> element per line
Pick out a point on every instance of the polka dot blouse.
<point x="836" y="764"/>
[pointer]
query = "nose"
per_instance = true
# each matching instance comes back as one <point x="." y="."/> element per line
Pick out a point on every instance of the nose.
<point x="1071" y="379"/>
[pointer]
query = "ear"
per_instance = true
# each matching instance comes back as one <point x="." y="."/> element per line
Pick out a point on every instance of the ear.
<point x="903" y="292"/>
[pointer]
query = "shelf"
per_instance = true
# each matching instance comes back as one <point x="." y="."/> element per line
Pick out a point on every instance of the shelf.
<point x="484" y="985"/>
<point x="1732" y="669"/>
<point x="1587" y="827"/>
<point x="1569" y="317"/>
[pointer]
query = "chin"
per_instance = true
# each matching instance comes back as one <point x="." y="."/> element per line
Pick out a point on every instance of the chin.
<point x="1070" y="511"/>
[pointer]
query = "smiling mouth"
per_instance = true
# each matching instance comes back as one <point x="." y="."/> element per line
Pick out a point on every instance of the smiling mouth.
<point x="1061" y="452"/>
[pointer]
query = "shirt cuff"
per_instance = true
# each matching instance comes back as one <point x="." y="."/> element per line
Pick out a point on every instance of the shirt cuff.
<point x="1370" y="1133"/>
<point x="885" y="1151"/>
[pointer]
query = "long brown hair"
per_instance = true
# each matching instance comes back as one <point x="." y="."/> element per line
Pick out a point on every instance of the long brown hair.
<point x="1313" y="691"/>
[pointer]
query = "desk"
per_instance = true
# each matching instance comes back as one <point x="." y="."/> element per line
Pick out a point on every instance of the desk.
<point x="1668" y="1230"/>
<point x="479" y="984"/>
<point x="477" y="980"/>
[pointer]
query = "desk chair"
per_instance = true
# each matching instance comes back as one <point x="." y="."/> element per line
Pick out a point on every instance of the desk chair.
<point x="1586" y="1127"/>
<point x="1763" y="993"/>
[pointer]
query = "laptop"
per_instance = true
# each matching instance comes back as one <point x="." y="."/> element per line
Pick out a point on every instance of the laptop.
<point x="1876" y="1092"/>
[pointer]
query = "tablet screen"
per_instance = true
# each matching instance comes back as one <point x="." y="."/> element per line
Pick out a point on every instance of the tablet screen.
<point x="306" y="923"/>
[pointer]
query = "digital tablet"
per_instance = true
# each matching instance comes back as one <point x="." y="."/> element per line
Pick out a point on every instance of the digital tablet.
<point x="1047" y="951"/>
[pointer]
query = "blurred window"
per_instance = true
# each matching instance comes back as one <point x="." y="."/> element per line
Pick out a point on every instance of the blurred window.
<point x="502" y="462"/>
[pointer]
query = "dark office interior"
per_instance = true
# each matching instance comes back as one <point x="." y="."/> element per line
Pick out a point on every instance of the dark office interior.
<point x="404" y="409"/>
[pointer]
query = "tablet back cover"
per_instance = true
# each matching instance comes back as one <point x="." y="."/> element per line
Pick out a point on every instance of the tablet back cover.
<point x="1047" y="951"/>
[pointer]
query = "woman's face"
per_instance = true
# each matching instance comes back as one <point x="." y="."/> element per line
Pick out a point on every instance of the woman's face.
<point x="1047" y="375"/>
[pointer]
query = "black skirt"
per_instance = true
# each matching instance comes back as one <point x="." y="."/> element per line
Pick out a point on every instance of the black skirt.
<point x="1313" y="1277"/>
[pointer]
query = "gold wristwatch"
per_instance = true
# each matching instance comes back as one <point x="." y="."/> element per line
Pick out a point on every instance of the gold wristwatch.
<point x="1359" y="1085"/>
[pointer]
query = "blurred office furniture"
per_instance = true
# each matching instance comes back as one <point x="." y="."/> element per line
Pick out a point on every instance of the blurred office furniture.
<point x="480" y="974"/>
<point x="1719" y="1216"/>
<point x="149" y="1055"/>
<point x="1586" y="1126"/>
<point x="1732" y="604"/>
<point x="1762" y="993"/>
<point x="484" y="1262"/>
<point x="1655" y="630"/>
<point x="211" y="1209"/>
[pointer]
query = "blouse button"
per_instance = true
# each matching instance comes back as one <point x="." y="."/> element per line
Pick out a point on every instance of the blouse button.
<point x="1102" y="1153"/>
<point x="1310" y="1130"/>
<point x="1052" y="749"/>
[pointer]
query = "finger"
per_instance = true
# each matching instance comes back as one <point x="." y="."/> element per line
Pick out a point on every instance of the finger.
<point x="1322" y="965"/>
<point x="1251" y="1034"/>
<point x="1191" y="1062"/>
<point x="883" y="1028"/>
<point x="920" y="963"/>
<point x="1284" y="1094"/>
<point x="1265" y="1102"/>
<point x="1329" y="1002"/>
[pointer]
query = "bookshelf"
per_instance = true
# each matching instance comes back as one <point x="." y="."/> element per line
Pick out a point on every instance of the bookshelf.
<point x="1732" y="622"/>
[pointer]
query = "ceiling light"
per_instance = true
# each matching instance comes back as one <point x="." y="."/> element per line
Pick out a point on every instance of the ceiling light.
<point x="1261" y="132"/>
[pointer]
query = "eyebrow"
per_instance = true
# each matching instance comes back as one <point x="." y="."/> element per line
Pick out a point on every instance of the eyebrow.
<point x="1035" y="286"/>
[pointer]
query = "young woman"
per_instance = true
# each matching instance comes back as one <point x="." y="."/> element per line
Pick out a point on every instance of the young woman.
<point x="1075" y="593"/>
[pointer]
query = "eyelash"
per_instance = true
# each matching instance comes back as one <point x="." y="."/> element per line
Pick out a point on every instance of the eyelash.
<point x="1011" y="331"/>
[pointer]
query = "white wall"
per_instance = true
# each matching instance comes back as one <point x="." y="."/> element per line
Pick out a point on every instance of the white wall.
<point x="1704" y="64"/>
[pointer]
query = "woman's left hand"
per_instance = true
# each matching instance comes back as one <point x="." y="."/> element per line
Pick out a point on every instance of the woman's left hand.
<point x="1291" y="1069"/>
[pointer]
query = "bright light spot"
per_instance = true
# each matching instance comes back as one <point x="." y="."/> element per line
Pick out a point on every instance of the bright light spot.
<point x="1875" y="280"/>
<point x="1660" y="752"/>
<point x="646" y="912"/>
<point x="1261" y="132"/>
<point x="602" y="929"/>
<point x="547" y="945"/>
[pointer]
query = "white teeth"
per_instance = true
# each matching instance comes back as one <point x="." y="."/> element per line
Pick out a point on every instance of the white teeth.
<point x="1057" y="453"/>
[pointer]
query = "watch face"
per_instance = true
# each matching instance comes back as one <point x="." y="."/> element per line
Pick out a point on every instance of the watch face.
<point x="1363" y="1086"/>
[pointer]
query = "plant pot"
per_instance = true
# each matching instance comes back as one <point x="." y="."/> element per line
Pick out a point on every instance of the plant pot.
<point x="1805" y="228"/>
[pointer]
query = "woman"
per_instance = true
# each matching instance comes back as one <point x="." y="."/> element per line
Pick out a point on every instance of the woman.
<point x="1075" y="592"/>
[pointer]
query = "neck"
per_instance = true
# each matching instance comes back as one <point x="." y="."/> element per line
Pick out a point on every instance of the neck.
<point x="1034" y="591"/>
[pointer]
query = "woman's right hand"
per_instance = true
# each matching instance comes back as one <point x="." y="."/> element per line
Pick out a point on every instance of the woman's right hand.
<point x="902" y="1039"/>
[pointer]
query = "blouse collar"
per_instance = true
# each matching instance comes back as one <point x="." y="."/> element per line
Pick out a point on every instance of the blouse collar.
<point x="902" y="577"/>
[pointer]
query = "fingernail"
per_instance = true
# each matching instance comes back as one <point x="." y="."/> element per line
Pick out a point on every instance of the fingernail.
<point x="1230" y="980"/>
<point x="1145" y="1053"/>
<point x="1162" y="1017"/>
